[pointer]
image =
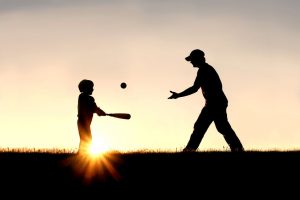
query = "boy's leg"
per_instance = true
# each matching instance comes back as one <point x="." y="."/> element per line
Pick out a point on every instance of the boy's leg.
<point x="85" y="138"/>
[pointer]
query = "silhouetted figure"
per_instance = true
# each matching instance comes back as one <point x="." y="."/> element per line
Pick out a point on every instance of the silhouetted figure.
<point x="215" y="104"/>
<point x="86" y="109"/>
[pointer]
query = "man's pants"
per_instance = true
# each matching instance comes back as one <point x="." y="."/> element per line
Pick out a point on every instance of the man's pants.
<point x="217" y="115"/>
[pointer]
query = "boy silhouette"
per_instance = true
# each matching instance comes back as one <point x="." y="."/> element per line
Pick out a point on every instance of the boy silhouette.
<point x="86" y="109"/>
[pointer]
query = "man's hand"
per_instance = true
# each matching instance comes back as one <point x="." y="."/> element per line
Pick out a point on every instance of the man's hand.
<point x="174" y="95"/>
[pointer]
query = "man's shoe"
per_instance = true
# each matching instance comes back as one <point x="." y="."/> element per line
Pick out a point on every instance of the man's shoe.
<point x="188" y="149"/>
<point x="237" y="150"/>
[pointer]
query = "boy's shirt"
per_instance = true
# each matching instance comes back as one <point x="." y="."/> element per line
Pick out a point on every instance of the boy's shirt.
<point x="86" y="108"/>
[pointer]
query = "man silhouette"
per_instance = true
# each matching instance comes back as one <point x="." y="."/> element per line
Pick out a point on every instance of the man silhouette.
<point x="215" y="104"/>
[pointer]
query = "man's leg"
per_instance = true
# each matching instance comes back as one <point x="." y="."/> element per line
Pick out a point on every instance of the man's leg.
<point x="200" y="127"/>
<point x="224" y="127"/>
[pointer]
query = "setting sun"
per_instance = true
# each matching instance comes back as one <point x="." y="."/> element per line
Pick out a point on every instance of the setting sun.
<point x="97" y="147"/>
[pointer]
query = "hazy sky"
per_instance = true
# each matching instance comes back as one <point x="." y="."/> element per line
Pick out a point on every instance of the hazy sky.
<point x="48" y="46"/>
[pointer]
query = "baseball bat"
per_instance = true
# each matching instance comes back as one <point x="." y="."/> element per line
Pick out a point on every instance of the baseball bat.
<point x="120" y="115"/>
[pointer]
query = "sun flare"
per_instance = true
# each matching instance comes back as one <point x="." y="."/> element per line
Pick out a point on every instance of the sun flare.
<point x="96" y="164"/>
<point x="97" y="147"/>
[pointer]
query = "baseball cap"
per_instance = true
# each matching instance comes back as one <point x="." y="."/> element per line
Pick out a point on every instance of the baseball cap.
<point x="195" y="53"/>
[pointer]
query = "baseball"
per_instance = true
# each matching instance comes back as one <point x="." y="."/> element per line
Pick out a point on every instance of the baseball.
<point x="123" y="85"/>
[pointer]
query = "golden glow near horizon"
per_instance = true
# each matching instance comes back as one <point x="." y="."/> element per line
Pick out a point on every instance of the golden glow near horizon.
<point x="98" y="147"/>
<point x="47" y="48"/>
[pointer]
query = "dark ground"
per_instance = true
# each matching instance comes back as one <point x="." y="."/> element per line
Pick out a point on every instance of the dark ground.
<point x="227" y="175"/>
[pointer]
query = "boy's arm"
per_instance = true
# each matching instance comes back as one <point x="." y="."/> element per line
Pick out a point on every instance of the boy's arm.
<point x="100" y="112"/>
<point x="96" y="109"/>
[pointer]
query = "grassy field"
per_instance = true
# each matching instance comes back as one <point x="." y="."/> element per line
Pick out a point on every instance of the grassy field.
<point x="249" y="174"/>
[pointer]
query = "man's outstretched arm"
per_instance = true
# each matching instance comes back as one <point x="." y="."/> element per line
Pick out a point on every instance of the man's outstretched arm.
<point x="188" y="91"/>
